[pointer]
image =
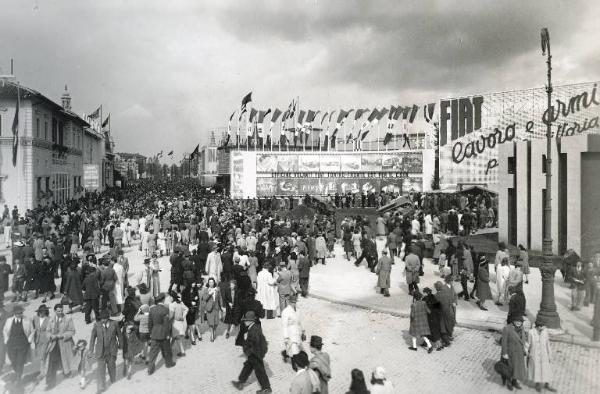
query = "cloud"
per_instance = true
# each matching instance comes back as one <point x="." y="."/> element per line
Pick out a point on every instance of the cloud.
<point x="179" y="69"/>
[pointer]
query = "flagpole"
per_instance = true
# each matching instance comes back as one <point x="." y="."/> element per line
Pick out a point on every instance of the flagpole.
<point x="18" y="155"/>
<point x="378" y="135"/>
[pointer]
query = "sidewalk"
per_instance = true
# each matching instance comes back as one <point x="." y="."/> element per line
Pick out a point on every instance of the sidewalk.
<point x="341" y="282"/>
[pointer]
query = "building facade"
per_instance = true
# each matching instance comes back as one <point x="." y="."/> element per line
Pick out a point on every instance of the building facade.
<point x="575" y="194"/>
<point x="53" y="145"/>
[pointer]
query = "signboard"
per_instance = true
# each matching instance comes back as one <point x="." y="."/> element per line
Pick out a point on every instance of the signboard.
<point x="91" y="177"/>
<point x="243" y="174"/>
<point x="471" y="128"/>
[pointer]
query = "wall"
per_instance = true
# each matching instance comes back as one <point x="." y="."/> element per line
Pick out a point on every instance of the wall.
<point x="590" y="206"/>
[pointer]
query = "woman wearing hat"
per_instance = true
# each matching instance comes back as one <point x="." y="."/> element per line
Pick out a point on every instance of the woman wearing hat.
<point x="513" y="351"/>
<point x="379" y="383"/>
<point x="484" y="292"/>
<point x="41" y="338"/>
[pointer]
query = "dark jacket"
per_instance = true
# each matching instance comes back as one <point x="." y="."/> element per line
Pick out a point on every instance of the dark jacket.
<point x="303" y="267"/>
<point x="255" y="344"/>
<point x="105" y="342"/>
<point x="91" y="286"/>
<point x="159" y="323"/>
<point x="516" y="306"/>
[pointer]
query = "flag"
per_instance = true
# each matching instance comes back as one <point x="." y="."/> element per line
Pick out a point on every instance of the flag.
<point x="106" y="121"/>
<point x="300" y="119"/>
<point x="274" y="118"/>
<point x="95" y="114"/>
<point x="229" y="124"/>
<point x="428" y="112"/>
<point x="247" y="98"/>
<point x="340" y="120"/>
<point x="364" y="129"/>
<point x="195" y="152"/>
<point x="170" y="153"/>
<point x="390" y="125"/>
<point x="15" y="130"/>
<point x="249" y="130"/>
<point x="307" y="126"/>
<point x="409" y="113"/>
<point x="324" y="116"/>
<point x="159" y="154"/>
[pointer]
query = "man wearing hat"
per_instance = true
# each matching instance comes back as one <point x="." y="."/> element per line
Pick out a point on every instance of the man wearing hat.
<point x="5" y="271"/>
<point x="159" y="326"/>
<point x="255" y="348"/>
<point x="284" y="285"/>
<point x="303" y="380"/>
<point x="105" y="342"/>
<point x="320" y="363"/>
<point x="384" y="270"/>
<point x="18" y="334"/>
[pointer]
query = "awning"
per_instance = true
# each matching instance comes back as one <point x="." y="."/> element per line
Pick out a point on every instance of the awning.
<point x="395" y="204"/>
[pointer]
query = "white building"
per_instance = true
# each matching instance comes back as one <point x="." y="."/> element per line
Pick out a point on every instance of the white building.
<point x="50" y="154"/>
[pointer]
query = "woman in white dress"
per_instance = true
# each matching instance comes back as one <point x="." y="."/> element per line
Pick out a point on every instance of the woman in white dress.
<point x="293" y="333"/>
<point x="266" y="291"/>
<point x="502" y="273"/>
<point x="162" y="243"/>
<point x="119" y="284"/>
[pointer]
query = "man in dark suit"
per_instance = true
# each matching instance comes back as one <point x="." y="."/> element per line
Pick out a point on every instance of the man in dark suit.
<point x="304" y="272"/>
<point x="91" y="296"/>
<point x="159" y="326"/>
<point x="104" y="345"/>
<point x="255" y="348"/>
<point x="108" y="279"/>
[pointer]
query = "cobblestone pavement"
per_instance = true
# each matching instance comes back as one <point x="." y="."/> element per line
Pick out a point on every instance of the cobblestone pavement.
<point x="355" y="338"/>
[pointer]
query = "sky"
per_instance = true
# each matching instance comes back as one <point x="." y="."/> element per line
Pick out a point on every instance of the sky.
<point x="168" y="72"/>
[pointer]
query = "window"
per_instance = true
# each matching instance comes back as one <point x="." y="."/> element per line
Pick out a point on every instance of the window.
<point x="46" y="130"/>
<point x="47" y="183"/>
<point x="62" y="188"/>
<point x="37" y="128"/>
<point x="60" y="134"/>
<point x="54" y="131"/>
<point x="38" y="185"/>
<point x="0" y="125"/>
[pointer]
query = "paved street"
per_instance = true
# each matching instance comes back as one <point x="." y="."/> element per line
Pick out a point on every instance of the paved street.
<point x="359" y="287"/>
<point x="354" y="337"/>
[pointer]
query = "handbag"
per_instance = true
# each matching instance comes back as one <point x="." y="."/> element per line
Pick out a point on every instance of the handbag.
<point x="504" y="368"/>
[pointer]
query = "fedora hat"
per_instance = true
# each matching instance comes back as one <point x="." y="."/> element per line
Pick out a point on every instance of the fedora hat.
<point x="249" y="316"/>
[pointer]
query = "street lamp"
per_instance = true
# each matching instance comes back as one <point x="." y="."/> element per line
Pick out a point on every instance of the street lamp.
<point x="547" y="315"/>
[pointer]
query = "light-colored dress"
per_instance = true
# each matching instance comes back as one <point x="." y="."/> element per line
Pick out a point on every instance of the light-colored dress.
<point x="266" y="291"/>
<point x="119" y="283"/>
<point x="178" y="311"/>
<point x="292" y="330"/>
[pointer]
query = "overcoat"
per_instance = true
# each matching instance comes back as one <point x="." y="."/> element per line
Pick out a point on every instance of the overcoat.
<point x="65" y="327"/>
<point x="384" y="270"/>
<point x="540" y="354"/>
<point x="513" y="344"/>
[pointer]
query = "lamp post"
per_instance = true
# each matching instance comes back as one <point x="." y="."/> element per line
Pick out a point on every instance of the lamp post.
<point x="547" y="314"/>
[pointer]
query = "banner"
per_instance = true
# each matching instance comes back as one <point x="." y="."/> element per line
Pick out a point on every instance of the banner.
<point x="91" y="177"/>
<point x="266" y="163"/>
<point x="243" y="174"/>
<point x="330" y="163"/>
<point x="471" y="128"/>
<point x="350" y="163"/>
<point x="308" y="163"/>
<point x="370" y="162"/>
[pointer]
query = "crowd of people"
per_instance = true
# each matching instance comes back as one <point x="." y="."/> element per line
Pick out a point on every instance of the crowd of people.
<point x="231" y="262"/>
<point x="237" y="262"/>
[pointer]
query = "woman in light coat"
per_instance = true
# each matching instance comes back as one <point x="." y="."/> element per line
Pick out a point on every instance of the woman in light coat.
<point x="266" y="291"/>
<point x="502" y="273"/>
<point x="321" y="246"/>
<point x="41" y="338"/>
<point x="540" y="355"/>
